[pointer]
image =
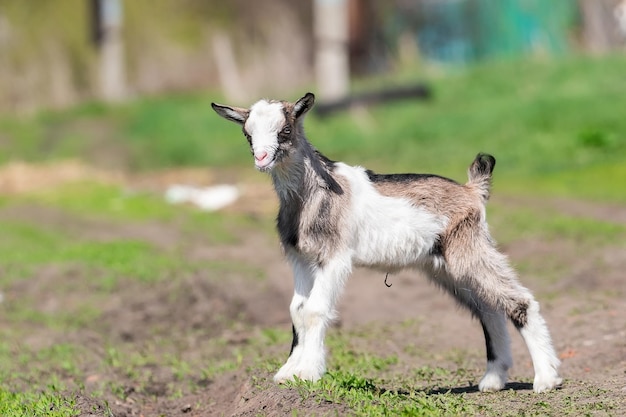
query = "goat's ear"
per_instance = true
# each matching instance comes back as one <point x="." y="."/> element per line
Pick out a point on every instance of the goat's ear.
<point x="234" y="114"/>
<point x="303" y="105"/>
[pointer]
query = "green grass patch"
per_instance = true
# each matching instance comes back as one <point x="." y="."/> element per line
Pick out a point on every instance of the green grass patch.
<point x="31" y="379"/>
<point x="370" y="397"/>
<point x="110" y="201"/>
<point x="27" y="247"/>
<point x="544" y="122"/>
<point x="114" y="203"/>
<point x="181" y="130"/>
<point x="510" y="223"/>
<point x="49" y="402"/>
<point x="373" y="385"/>
<point x="596" y="182"/>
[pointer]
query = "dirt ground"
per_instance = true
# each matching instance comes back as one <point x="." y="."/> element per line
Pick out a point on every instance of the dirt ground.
<point x="584" y="306"/>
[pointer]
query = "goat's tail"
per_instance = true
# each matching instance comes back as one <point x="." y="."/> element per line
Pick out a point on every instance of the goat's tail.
<point x="479" y="174"/>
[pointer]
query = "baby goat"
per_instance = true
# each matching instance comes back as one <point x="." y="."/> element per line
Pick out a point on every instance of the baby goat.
<point x="333" y="217"/>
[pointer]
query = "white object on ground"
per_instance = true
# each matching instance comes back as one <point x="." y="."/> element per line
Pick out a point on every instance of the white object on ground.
<point x="206" y="198"/>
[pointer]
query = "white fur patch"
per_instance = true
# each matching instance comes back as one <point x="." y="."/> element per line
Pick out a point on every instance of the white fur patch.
<point x="388" y="233"/>
<point x="263" y="124"/>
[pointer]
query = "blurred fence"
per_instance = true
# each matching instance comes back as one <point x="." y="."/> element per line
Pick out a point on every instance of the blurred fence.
<point x="247" y="49"/>
<point x="48" y="57"/>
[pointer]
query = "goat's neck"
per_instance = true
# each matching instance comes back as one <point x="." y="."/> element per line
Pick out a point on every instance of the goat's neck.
<point x="296" y="178"/>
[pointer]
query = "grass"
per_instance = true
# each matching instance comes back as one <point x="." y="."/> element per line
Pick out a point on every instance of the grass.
<point x="372" y="385"/>
<point x="32" y="380"/>
<point x="512" y="223"/>
<point x="27" y="247"/>
<point x="112" y="202"/>
<point x="364" y="397"/>
<point x="386" y="385"/>
<point x="50" y="403"/>
<point x="555" y="127"/>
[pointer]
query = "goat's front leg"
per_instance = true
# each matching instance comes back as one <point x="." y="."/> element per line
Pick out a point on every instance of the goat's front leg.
<point x="311" y="315"/>
<point x="303" y="283"/>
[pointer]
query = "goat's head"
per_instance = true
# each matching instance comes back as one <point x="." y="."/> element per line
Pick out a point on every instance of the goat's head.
<point x="271" y="127"/>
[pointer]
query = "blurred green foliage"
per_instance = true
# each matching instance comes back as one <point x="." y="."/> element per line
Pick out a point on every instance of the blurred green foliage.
<point x="555" y="127"/>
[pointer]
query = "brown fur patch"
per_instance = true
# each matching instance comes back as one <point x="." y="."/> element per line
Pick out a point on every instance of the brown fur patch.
<point x="519" y="315"/>
<point x="435" y="194"/>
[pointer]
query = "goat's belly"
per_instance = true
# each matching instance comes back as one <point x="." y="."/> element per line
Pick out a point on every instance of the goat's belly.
<point x="387" y="232"/>
<point x="392" y="248"/>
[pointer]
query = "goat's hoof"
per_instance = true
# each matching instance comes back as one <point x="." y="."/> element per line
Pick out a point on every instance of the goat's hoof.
<point x="491" y="382"/>
<point x="281" y="379"/>
<point x="312" y="375"/>
<point x="284" y="375"/>
<point x="545" y="383"/>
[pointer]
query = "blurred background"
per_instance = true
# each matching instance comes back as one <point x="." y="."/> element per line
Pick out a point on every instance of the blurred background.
<point x="57" y="54"/>
<point x="126" y="85"/>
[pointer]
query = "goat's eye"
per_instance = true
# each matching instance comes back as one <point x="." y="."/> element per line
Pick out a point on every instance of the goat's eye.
<point x="286" y="130"/>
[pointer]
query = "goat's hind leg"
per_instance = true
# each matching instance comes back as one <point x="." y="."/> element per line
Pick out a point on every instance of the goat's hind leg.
<point x="499" y="282"/>
<point x="493" y="322"/>
<point x="497" y="285"/>
<point x="498" y="347"/>
<point x="531" y="325"/>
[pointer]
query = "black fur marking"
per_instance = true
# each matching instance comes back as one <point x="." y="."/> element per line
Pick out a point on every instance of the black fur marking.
<point x="404" y="178"/>
<point x="483" y="165"/>
<point x="248" y="137"/>
<point x="294" y="341"/>
<point x="238" y="116"/>
<point x="304" y="105"/>
<point x="290" y="212"/>
<point x="519" y="315"/>
<point x="289" y="123"/>
<point x="288" y="222"/>
<point x="284" y="137"/>
<point x="437" y="248"/>
<point x="323" y="168"/>
<point x="491" y="355"/>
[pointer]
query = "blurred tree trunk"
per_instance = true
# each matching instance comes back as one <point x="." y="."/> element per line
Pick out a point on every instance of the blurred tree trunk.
<point x="600" y="26"/>
<point x="227" y="68"/>
<point x="331" y="48"/>
<point x="107" y="35"/>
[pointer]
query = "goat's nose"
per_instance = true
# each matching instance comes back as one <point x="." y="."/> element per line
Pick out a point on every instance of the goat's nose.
<point x="259" y="156"/>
